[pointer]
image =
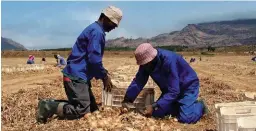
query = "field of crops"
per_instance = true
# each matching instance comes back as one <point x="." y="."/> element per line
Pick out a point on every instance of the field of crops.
<point x="222" y="79"/>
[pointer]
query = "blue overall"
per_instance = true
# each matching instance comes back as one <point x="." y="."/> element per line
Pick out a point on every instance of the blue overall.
<point x="30" y="61"/>
<point x="83" y="64"/>
<point x="85" y="60"/>
<point x="61" y="61"/>
<point x="178" y="83"/>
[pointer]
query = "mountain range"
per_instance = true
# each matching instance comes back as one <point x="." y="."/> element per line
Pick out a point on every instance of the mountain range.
<point x="9" y="44"/>
<point x="219" y="33"/>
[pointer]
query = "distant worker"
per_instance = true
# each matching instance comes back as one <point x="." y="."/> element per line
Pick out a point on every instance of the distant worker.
<point x="43" y="60"/>
<point x="31" y="59"/>
<point x="254" y="59"/>
<point x="61" y="62"/>
<point x="176" y="79"/>
<point x="83" y="64"/>
<point x="192" y="60"/>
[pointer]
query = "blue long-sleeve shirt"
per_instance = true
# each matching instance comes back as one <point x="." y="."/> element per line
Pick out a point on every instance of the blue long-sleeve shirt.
<point x="85" y="60"/>
<point x="61" y="61"/>
<point x="172" y="74"/>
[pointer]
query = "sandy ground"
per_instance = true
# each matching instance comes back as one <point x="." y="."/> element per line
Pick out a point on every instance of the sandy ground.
<point x="222" y="79"/>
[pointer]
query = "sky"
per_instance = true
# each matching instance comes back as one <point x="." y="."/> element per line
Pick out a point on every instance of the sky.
<point x="48" y="24"/>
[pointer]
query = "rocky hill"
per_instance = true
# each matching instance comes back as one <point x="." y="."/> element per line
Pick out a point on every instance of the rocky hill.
<point x="9" y="44"/>
<point x="221" y="33"/>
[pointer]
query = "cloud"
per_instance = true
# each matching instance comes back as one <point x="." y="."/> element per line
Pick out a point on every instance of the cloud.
<point x="120" y="32"/>
<point x="84" y="16"/>
<point x="49" y="31"/>
<point x="88" y="16"/>
<point x="28" y="41"/>
<point x="198" y="17"/>
<point x="38" y="29"/>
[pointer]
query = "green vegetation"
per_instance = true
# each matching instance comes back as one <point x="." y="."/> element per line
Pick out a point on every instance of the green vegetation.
<point x="211" y="49"/>
<point x="237" y="48"/>
<point x="207" y="54"/>
<point x="57" y="49"/>
<point x="177" y="48"/>
<point x="119" y="49"/>
<point x="173" y="48"/>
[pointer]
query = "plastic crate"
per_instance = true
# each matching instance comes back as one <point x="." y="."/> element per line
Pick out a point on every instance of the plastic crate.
<point x="246" y="123"/>
<point x="229" y="116"/>
<point x="116" y="96"/>
<point x="231" y="104"/>
<point x="250" y="96"/>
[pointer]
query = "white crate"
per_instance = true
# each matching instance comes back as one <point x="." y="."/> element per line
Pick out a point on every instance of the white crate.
<point x="246" y="123"/>
<point x="22" y="68"/>
<point x="229" y="116"/>
<point x="250" y="96"/>
<point x="116" y="96"/>
<point x="231" y="104"/>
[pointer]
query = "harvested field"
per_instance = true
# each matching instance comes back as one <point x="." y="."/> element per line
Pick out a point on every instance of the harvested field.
<point x="222" y="79"/>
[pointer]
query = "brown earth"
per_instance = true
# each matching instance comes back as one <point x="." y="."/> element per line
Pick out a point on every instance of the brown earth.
<point x="222" y="79"/>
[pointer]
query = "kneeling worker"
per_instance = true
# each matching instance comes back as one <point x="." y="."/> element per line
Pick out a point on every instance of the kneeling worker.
<point x="177" y="81"/>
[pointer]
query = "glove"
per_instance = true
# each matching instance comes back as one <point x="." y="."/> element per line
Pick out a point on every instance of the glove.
<point x="126" y="107"/>
<point x="107" y="83"/>
<point x="148" y="111"/>
<point x="126" y="104"/>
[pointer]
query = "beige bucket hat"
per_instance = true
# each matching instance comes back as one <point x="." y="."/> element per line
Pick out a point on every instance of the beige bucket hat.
<point x="113" y="13"/>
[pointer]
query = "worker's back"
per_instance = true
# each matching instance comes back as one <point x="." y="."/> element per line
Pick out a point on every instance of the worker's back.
<point x="62" y="61"/>
<point x="31" y="59"/>
<point x="185" y="72"/>
<point x="84" y="53"/>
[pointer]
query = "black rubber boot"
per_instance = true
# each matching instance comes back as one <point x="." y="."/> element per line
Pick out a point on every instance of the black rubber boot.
<point x="205" y="108"/>
<point x="46" y="109"/>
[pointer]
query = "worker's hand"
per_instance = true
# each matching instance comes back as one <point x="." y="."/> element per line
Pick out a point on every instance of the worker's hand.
<point x="124" y="108"/>
<point x="107" y="83"/>
<point x="126" y="105"/>
<point x="148" y="111"/>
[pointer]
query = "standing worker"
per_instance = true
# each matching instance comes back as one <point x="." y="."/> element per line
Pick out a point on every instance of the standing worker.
<point x="31" y="59"/>
<point x="60" y="61"/>
<point x="178" y="83"/>
<point x="83" y="64"/>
